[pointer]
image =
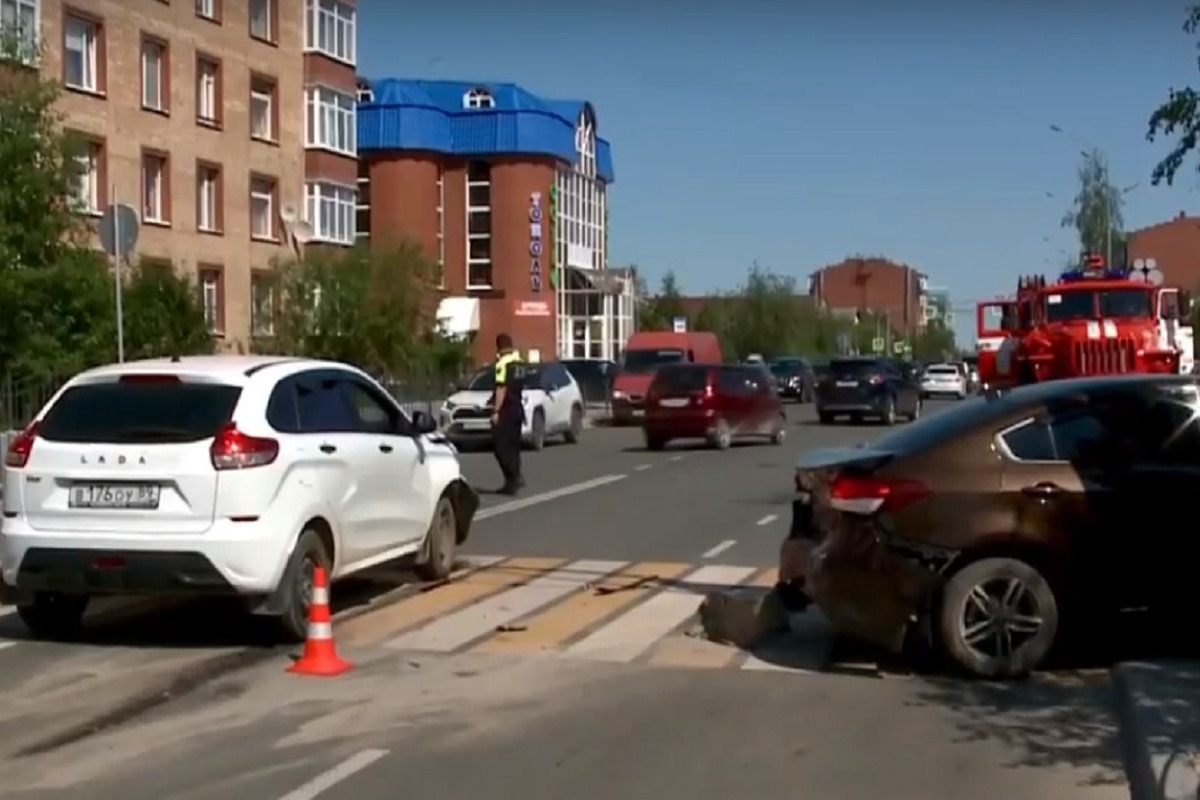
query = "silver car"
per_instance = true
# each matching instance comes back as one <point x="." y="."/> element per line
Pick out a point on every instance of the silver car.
<point x="943" y="380"/>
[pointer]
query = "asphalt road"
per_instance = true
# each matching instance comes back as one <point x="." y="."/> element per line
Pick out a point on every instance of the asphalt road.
<point x="560" y="664"/>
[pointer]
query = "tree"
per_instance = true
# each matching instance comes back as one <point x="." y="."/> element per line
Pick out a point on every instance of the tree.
<point x="934" y="342"/>
<point x="1178" y="117"/>
<point x="366" y="306"/>
<point x="164" y="313"/>
<point x="769" y="317"/>
<point x="1095" y="213"/>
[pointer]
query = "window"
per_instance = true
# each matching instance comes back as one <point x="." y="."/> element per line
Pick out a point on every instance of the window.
<point x="156" y="188"/>
<point x="82" y="54"/>
<point x="208" y="198"/>
<point x="479" y="225"/>
<point x="89" y="183"/>
<point x="140" y="413"/>
<point x="362" y="207"/>
<point x="262" y="20"/>
<point x="209" y="10"/>
<point x="156" y="89"/>
<point x="212" y="293"/>
<point x="19" y="24"/>
<point x="580" y="231"/>
<point x="441" y="229"/>
<point x="208" y="91"/>
<point x="330" y="209"/>
<point x="262" y="109"/>
<point x="365" y="95"/>
<point x="262" y="305"/>
<point x="479" y="98"/>
<point x="330" y="121"/>
<point x="262" y="208"/>
<point x="330" y="29"/>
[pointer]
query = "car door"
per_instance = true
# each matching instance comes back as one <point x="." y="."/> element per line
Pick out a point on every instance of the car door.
<point x="558" y="402"/>
<point x="734" y="398"/>
<point x="1071" y="490"/>
<point x="328" y="429"/>
<point x="392" y="465"/>
<point x="762" y="400"/>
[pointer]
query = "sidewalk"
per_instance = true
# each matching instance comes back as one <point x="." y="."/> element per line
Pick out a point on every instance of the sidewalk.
<point x="1158" y="705"/>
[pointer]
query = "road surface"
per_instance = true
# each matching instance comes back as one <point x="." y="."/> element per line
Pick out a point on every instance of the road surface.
<point x="560" y="663"/>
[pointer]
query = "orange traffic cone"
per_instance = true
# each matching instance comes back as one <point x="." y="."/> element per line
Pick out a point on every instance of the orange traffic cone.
<point x="320" y="656"/>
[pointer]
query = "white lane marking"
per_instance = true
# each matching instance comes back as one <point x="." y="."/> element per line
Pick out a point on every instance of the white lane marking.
<point x="767" y="520"/>
<point x="721" y="548"/>
<point x="455" y="630"/>
<point x="545" y="497"/>
<point x="641" y="467"/>
<point x="331" y="777"/>
<point x="636" y="631"/>
<point x="675" y="458"/>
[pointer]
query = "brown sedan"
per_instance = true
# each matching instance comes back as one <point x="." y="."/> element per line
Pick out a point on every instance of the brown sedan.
<point x="984" y="531"/>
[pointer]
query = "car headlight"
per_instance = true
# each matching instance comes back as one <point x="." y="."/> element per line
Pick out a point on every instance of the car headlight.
<point x="618" y="394"/>
<point x="447" y="406"/>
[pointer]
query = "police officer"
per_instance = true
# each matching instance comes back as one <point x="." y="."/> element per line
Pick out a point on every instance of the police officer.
<point x="509" y="415"/>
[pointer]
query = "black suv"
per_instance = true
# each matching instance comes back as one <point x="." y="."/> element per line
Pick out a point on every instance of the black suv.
<point x="868" y="386"/>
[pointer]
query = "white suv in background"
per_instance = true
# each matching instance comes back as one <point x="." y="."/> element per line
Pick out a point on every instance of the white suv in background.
<point x="221" y="475"/>
<point x="552" y="399"/>
<point x="944" y="379"/>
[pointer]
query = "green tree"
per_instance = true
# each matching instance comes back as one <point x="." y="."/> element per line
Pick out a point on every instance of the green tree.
<point x="934" y="342"/>
<point x="770" y="317"/>
<point x="164" y="313"/>
<point x="657" y="312"/>
<point x="1096" y="211"/>
<point x="1177" y="118"/>
<point x="367" y="306"/>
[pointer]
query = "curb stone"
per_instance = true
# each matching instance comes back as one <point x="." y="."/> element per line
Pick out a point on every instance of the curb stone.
<point x="1158" y="767"/>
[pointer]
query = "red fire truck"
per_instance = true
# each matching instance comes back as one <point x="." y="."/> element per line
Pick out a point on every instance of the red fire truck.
<point x="1091" y="321"/>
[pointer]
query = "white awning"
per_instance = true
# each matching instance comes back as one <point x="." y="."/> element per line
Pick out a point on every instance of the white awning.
<point x="458" y="316"/>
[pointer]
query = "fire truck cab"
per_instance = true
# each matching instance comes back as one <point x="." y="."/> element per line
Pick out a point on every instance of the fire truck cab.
<point x="1092" y="321"/>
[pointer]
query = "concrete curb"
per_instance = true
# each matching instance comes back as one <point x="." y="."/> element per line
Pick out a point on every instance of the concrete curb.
<point x="1157" y="768"/>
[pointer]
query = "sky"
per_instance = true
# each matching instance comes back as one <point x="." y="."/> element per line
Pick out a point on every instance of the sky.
<point x="796" y="133"/>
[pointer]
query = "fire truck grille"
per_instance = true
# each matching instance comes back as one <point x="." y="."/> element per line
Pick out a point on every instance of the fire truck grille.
<point x="1104" y="357"/>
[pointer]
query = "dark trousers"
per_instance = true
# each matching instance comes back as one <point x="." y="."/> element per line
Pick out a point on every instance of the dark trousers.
<point x="506" y="439"/>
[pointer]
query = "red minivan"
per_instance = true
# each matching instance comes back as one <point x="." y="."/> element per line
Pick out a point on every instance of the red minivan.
<point x="719" y="403"/>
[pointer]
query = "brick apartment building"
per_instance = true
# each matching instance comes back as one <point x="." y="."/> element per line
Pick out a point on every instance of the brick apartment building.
<point x="509" y="191"/>
<point x="1175" y="245"/>
<point x="873" y="285"/>
<point x="195" y="114"/>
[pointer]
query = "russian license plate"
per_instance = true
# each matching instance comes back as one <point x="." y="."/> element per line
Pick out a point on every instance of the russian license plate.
<point x="477" y="424"/>
<point x="639" y="412"/>
<point x="115" y="495"/>
<point x="674" y="402"/>
<point x="847" y="383"/>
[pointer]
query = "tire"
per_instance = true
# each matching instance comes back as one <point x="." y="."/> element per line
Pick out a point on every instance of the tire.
<point x="889" y="412"/>
<point x="537" y="434"/>
<point x="779" y="432"/>
<point x="825" y="418"/>
<point x="576" y="430"/>
<point x="297" y="585"/>
<point x="916" y="412"/>
<point x="54" y="616"/>
<point x="960" y="613"/>
<point x="441" y="541"/>
<point x="655" y="443"/>
<point x="722" y="437"/>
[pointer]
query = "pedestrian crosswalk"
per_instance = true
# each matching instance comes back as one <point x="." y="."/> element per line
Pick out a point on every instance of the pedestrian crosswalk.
<point x="596" y="610"/>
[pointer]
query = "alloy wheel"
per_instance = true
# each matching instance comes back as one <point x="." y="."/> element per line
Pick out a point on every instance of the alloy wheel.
<point x="998" y="617"/>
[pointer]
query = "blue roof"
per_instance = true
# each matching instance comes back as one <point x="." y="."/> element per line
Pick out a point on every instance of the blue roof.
<point x="430" y="115"/>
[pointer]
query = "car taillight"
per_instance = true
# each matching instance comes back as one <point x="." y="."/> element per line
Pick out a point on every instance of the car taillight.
<point x="876" y="379"/>
<point x="857" y="494"/>
<point x="700" y="398"/>
<point x="149" y="379"/>
<point x="232" y="449"/>
<point x="21" y="447"/>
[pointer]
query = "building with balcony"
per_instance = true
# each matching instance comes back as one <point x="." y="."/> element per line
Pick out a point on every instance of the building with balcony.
<point x="219" y="122"/>
<point x="509" y="192"/>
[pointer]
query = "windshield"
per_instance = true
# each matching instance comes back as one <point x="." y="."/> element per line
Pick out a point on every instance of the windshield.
<point x="483" y="381"/>
<point x="1126" y="303"/>
<point x="1104" y="303"/>
<point x="650" y="360"/>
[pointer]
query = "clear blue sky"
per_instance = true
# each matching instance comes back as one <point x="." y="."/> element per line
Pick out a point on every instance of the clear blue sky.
<point x="798" y="133"/>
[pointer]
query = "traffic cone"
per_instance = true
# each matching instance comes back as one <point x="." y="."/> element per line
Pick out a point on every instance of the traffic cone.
<point x="320" y="656"/>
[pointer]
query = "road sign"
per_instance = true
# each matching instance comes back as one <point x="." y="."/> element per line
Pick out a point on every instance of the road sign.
<point x="877" y="344"/>
<point x="119" y="230"/>
<point x="899" y="347"/>
<point x="679" y="325"/>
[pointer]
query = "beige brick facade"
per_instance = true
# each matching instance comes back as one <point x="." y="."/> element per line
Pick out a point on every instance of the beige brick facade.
<point x="126" y="133"/>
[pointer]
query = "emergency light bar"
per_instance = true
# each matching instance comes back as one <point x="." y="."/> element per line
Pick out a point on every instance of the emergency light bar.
<point x="1077" y="275"/>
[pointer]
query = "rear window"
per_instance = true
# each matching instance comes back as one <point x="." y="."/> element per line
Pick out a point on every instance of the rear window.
<point x="140" y="413"/>
<point x="941" y="371"/>
<point x="855" y="368"/>
<point x="681" y="379"/>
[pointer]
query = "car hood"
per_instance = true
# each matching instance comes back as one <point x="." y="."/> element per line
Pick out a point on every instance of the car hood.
<point x="479" y="399"/>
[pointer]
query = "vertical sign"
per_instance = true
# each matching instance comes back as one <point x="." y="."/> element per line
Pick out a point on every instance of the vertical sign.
<point x="679" y="325"/>
<point x="535" y="241"/>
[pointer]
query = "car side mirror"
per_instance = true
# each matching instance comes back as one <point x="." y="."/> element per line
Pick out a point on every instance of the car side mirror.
<point x="423" y="423"/>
